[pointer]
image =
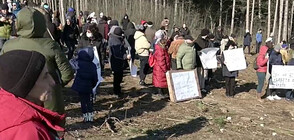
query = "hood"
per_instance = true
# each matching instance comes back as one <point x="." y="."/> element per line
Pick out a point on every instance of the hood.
<point x="263" y="51"/>
<point x="138" y="34"/>
<point x="19" y="111"/>
<point x="31" y="23"/>
<point x="17" y="6"/>
<point x="131" y="26"/>
<point x="86" y="54"/>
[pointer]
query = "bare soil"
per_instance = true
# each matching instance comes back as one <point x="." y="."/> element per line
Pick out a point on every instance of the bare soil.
<point x="145" y="115"/>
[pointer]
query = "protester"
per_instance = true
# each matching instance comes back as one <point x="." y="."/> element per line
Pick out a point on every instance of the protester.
<point x="176" y="32"/>
<point x="184" y="30"/>
<point x="150" y="32"/>
<point x="85" y="80"/>
<point x="219" y="35"/>
<point x="173" y="50"/>
<point x="201" y="43"/>
<point x="161" y="66"/>
<point x="165" y="24"/>
<point x="31" y="38"/>
<point x="125" y="21"/>
<point x="142" y="47"/>
<point x="129" y="34"/>
<point x="261" y="62"/>
<point x="118" y="55"/>
<point x="15" y="7"/>
<point x="25" y="86"/>
<point x="186" y="55"/>
<point x="70" y="35"/>
<point x="6" y="22"/>
<point x="258" y="40"/>
<point x="285" y="52"/>
<point x="275" y="58"/>
<point x="81" y="21"/>
<point x="247" y="41"/>
<point x="103" y="28"/>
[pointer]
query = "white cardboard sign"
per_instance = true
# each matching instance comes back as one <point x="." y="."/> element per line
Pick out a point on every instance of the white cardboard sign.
<point x="282" y="77"/>
<point x="235" y="59"/>
<point x="208" y="58"/>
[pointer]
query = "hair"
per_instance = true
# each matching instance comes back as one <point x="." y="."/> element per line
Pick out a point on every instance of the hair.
<point x="94" y="30"/>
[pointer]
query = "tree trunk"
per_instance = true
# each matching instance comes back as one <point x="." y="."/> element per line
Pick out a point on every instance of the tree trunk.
<point x="77" y="7"/>
<point x="106" y="7"/>
<point x="276" y="17"/>
<point x="291" y="21"/>
<point x="252" y="17"/>
<point x="62" y="11"/>
<point x="247" y="14"/>
<point x="86" y="5"/>
<point x="233" y="16"/>
<point x="280" y="20"/>
<point x="182" y="11"/>
<point x="285" y="30"/>
<point x="155" y="9"/>
<point x="259" y="10"/>
<point x="269" y="18"/>
<point x="176" y="11"/>
<point x="140" y="8"/>
<point x="55" y="5"/>
<point x="220" y="12"/>
<point x="164" y="6"/>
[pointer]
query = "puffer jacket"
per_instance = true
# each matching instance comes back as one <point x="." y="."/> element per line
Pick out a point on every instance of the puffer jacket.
<point x="31" y="39"/>
<point x="174" y="47"/>
<point x="24" y="120"/>
<point x="261" y="60"/>
<point x="161" y="66"/>
<point x="186" y="57"/>
<point x="142" y="45"/>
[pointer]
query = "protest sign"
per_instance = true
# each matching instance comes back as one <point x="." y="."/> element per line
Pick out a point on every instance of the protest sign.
<point x="183" y="85"/>
<point x="235" y="59"/>
<point x="133" y="69"/>
<point x="96" y="61"/>
<point x="282" y="77"/>
<point x="208" y="58"/>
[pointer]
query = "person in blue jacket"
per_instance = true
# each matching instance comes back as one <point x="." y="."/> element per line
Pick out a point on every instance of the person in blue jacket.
<point x="258" y="40"/>
<point x="85" y="80"/>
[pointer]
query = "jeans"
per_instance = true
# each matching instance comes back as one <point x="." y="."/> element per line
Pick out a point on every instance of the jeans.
<point x="261" y="78"/>
<point x="174" y="64"/>
<point x="144" y="67"/>
<point x="248" y="48"/>
<point x="117" y="79"/>
<point x="230" y="86"/>
<point x="257" y="46"/>
<point x="86" y="102"/>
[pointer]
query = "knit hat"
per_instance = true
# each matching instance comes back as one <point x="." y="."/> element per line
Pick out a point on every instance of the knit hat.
<point x="113" y="23"/>
<point x="4" y="6"/>
<point x="277" y="47"/>
<point x="143" y="22"/>
<point x="204" y="32"/>
<point x="118" y="31"/>
<point x="19" y="71"/>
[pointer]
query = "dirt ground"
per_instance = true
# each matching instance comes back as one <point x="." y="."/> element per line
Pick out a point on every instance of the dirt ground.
<point x="145" y="115"/>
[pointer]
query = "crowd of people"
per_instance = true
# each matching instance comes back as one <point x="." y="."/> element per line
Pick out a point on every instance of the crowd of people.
<point x="39" y="56"/>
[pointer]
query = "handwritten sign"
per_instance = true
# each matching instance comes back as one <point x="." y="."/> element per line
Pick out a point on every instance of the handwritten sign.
<point x="235" y="59"/>
<point x="183" y="85"/>
<point x="282" y="77"/>
<point x="96" y="61"/>
<point x="208" y="58"/>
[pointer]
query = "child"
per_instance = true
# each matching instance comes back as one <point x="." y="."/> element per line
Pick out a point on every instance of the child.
<point x="85" y="81"/>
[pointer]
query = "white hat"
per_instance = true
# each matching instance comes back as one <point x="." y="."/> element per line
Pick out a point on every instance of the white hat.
<point x="247" y="31"/>
<point x="269" y="39"/>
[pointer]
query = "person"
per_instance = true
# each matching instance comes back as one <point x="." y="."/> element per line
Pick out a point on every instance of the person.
<point x="247" y="41"/>
<point x="51" y="28"/>
<point x="25" y="86"/>
<point x="31" y="38"/>
<point x="258" y="40"/>
<point x="229" y="75"/>
<point x="81" y="21"/>
<point x="186" y="55"/>
<point x="275" y="58"/>
<point x="142" y="47"/>
<point x="118" y="54"/>
<point x="285" y="52"/>
<point x="201" y="43"/>
<point x="185" y="30"/>
<point x="15" y="7"/>
<point x="165" y="24"/>
<point x="70" y="34"/>
<point x="125" y="21"/>
<point x="223" y="43"/>
<point x="173" y="50"/>
<point x="6" y="22"/>
<point x="150" y="32"/>
<point x="161" y="66"/>
<point x="85" y="80"/>
<point x="261" y="62"/>
<point x="129" y="34"/>
<point x="219" y="35"/>
<point x="175" y="33"/>
<point x="103" y="28"/>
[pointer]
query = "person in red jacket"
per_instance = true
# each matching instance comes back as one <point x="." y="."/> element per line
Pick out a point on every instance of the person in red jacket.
<point x="25" y="84"/>
<point x="261" y="61"/>
<point x="161" y="66"/>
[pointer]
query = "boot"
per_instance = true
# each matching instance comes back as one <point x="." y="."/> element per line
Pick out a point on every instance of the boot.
<point x="85" y="116"/>
<point x="90" y="117"/>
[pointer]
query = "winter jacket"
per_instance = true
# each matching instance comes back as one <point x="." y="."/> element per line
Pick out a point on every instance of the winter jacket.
<point x="150" y="34"/>
<point x="86" y="76"/>
<point x="174" y="47"/>
<point x="103" y="29"/>
<point x="118" y="53"/>
<point x="142" y="45"/>
<point x="31" y="39"/>
<point x="200" y="44"/>
<point x="161" y="66"/>
<point x="24" y="120"/>
<point x="261" y="60"/>
<point x="219" y="36"/>
<point x="286" y="55"/>
<point x="6" y="26"/>
<point x="259" y="37"/>
<point x="186" y="57"/>
<point x="125" y="22"/>
<point x="185" y="31"/>
<point x="247" y="39"/>
<point x="275" y="58"/>
<point x="129" y="34"/>
<point x="225" y="71"/>
<point x="70" y="33"/>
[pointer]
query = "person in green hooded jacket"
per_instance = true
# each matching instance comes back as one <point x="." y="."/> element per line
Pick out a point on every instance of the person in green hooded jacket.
<point x="31" y="26"/>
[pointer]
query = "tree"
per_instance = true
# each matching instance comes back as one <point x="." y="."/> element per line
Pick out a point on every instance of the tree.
<point x="176" y="11"/>
<point x="247" y="14"/>
<point x="285" y="31"/>
<point x="269" y="18"/>
<point x="233" y="16"/>
<point x="276" y="17"/>
<point x="291" y="21"/>
<point x="252" y="16"/>
<point x="280" y="20"/>
<point x="220" y="12"/>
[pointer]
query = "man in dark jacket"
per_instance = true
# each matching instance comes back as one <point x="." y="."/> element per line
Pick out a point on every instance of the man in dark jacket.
<point x="31" y="38"/>
<point x="201" y="43"/>
<point x="247" y="41"/>
<point x="125" y="21"/>
<point x="70" y="35"/>
<point x="103" y="27"/>
<point x="129" y="34"/>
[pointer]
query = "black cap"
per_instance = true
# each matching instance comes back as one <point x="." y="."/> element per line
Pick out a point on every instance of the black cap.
<point x="204" y="32"/>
